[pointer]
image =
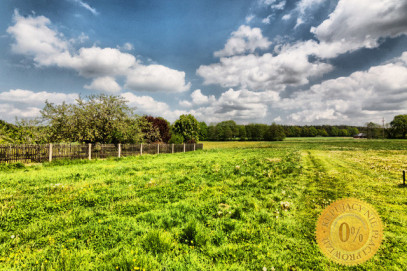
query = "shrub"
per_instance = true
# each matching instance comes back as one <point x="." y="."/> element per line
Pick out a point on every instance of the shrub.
<point x="176" y="139"/>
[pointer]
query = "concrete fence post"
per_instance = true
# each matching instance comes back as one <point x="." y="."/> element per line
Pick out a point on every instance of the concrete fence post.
<point x="50" y="152"/>
<point x="184" y="147"/>
<point x="120" y="150"/>
<point x="90" y="151"/>
<point x="141" y="149"/>
<point x="194" y="146"/>
<point x="172" y="148"/>
<point x="158" y="148"/>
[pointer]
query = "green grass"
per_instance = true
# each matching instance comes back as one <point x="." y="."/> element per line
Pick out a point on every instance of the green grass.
<point x="217" y="209"/>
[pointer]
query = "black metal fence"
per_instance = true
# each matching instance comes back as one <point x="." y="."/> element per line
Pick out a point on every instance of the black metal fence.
<point x="30" y="153"/>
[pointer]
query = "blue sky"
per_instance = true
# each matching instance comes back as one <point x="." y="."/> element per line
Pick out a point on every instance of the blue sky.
<point x="291" y="62"/>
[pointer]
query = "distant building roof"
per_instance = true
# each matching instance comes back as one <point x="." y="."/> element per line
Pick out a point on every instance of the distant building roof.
<point x="360" y="135"/>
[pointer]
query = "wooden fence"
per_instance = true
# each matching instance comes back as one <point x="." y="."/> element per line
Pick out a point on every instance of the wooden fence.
<point x="50" y="152"/>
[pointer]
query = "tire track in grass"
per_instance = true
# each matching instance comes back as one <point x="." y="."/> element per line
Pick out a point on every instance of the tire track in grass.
<point x="321" y="188"/>
<point x="379" y="188"/>
<point x="335" y="174"/>
<point x="323" y="183"/>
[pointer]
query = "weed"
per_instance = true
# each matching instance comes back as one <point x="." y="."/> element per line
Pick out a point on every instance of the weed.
<point x="157" y="242"/>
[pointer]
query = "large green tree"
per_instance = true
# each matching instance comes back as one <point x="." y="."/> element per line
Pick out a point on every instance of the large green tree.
<point x="227" y="130"/>
<point x="203" y="131"/>
<point x="61" y="121"/>
<point x="8" y="132"/>
<point x="31" y="131"/>
<point x="322" y="132"/>
<point x="256" y="131"/>
<point x="151" y="134"/>
<point x="212" y="133"/>
<point x="188" y="127"/>
<point x="96" y="118"/>
<point x="352" y="131"/>
<point x="334" y="131"/>
<point x="242" y="132"/>
<point x="399" y="124"/>
<point x="343" y="132"/>
<point x="274" y="133"/>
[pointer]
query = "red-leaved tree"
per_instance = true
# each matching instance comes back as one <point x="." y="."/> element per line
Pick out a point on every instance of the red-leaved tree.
<point x="162" y="125"/>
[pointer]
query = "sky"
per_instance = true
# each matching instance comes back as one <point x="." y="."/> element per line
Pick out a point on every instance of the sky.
<point x="298" y="62"/>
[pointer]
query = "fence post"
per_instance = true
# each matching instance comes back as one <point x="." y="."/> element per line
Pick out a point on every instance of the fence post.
<point x="184" y="147"/>
<point x="50" y="152"/>
<point x="141" y="149"/>
<point x="194" y="146"/>
<point x="172" y="148"/>
<point x="120" y="150"/>
<point x="158" y="148"/>
<point x="90" y="151"/>
<point x="404" y="177"/>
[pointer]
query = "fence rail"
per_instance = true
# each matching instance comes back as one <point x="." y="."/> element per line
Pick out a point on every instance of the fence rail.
<point x="49" y="152"/>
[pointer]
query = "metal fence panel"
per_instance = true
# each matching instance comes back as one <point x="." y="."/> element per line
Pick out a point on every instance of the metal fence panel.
<point x="130" y="149"/>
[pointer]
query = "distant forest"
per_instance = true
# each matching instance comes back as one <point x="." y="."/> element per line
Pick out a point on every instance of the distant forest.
<point x="229" y="130"/>
<point x="108" y="119"/>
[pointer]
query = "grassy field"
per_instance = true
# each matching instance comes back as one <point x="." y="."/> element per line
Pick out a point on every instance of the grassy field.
<point x="217" y="209"/>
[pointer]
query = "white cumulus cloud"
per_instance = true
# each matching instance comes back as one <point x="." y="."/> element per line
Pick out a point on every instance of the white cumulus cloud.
<point x="290" y="68"/>
<point x="360" y="24"/>
<point x="96" y="62"/>
<point x="199" y="99"/>
<point x="185" y="103"/>
<point x="106" y="84"/>
<point x="9" y="112"/>
<point x="35" y="38"/>
<point x="27" y="104"/>
<point x="378" y="92"/>
<point x="245" y="39"/>
<point x="35" y="98"/>
<point x="156" y="78"/>
<point x="240" y="105"/>
<point x="351" y="26"/>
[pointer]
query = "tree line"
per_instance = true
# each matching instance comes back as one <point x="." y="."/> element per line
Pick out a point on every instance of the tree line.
<point x="109" y="119"/>
<point x="229" y="130"/>
<point x="98" y="119"/>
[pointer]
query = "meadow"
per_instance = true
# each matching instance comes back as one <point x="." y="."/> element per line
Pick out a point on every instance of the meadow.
<point x="231" y="206"/>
